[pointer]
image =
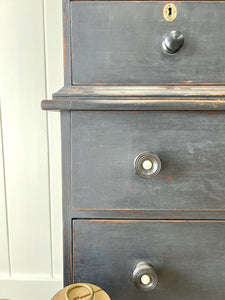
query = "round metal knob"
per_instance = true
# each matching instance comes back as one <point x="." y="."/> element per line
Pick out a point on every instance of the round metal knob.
<point x="172" y="42"/>
<point x="147" y="165"/>
<point x="145" y="277"/>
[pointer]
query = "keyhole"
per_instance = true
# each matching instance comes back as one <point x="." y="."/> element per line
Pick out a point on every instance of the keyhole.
<point x="170" y="12"/>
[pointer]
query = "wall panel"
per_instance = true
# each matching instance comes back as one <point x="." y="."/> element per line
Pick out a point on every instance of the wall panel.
<point x="4" y="250"/>
<point x="22" y="72"/>
<point x="54" y="79"/>
<point x="31" y="68"/>
<point x="27" y="289"/>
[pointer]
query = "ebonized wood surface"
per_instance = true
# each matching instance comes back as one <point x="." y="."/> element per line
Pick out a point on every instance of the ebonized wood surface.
<point x="120" y="42"/>
<point x="188" y="257"/>
<point x="191" y="147"/>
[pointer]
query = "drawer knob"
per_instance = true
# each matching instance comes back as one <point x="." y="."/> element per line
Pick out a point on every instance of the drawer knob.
<point x="173" y="42"/>
<point x="145" y="277"/>
<point x="147" y="165"/>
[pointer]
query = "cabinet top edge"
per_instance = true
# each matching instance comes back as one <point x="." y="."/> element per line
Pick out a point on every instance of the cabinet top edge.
<point x="156" y="104"/>
<point x="140" y="91"/>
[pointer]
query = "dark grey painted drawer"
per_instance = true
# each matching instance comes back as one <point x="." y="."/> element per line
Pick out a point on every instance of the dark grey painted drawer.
<point x="120" y="42"/>
<point x="191" y="147"/>
<point x="188" y="257"/>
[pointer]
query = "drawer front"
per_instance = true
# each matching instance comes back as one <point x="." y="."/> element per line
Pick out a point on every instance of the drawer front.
<point x="119" y="42"/>
<point x="188" y="257"/>
<point x="191" y="148"/>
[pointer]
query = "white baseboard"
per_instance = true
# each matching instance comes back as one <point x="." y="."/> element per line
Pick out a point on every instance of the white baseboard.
<point x="29" y="289"/>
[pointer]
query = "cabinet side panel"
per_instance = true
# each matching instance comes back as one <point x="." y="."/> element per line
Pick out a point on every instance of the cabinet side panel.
<point x="66" y="191"/>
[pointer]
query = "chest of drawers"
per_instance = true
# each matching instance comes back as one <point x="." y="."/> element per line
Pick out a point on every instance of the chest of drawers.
<point x="143" y="147"/>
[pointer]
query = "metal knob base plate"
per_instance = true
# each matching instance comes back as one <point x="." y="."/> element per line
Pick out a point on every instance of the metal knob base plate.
<point x="145" y="277"/>
<point x="147" y="164"/>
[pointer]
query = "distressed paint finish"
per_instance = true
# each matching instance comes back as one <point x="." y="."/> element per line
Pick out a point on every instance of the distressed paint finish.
<point x="140" y="91"/>
<point x="66" y="42"/>
<point x="66" y="195"/>
<point x="123" y="96"/>
<point x="136" y="97"/>
<point x="121" y="104"/>
<point x="189" y="145"/>
<point x="146" y="214"/>
<point x="120" y="43"/>
<point x="188" y="257"/>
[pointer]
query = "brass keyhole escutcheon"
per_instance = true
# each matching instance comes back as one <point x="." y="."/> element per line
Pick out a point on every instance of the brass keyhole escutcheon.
<point x="170" y="12"/>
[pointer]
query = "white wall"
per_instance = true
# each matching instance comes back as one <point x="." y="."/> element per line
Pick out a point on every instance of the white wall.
<point x="31" y="68"/>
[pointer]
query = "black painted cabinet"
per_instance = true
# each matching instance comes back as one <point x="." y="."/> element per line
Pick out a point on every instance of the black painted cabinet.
<point x="188" y="256"/>
<point x="143" y="147"/>
<point x="190" y="146"/>
<point x="118" y="42"/>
